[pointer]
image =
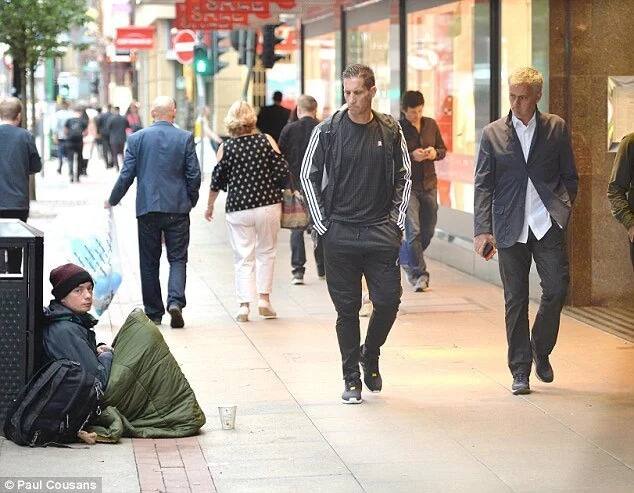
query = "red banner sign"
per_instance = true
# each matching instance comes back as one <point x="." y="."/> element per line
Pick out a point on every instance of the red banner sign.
<point x="134" y="38"/>
<point x="190" y="16"/>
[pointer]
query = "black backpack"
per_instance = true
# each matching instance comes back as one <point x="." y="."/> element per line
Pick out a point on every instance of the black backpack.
<point x="56" y="403"/>
<point x="75" y="130"/>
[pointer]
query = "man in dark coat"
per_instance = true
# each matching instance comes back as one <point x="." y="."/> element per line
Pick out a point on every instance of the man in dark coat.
<point x="163" y="159"/>
<point x="271" y="119"/>
<point x="621" y="188"/>
<point x="525" y="184"/>
<point x="102" y="123"/>
<point x="18" y="159"/>
<point x="117" y="126"/>
<point x="293" y="144"/>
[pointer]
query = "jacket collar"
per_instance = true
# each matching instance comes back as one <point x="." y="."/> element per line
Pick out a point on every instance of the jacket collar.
<point x="162" y="122"/>
<point x="57" y="311"/>
<point x="516" y="141"/>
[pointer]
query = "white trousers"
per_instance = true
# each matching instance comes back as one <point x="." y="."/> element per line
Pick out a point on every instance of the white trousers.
<point x="253" y="236"/>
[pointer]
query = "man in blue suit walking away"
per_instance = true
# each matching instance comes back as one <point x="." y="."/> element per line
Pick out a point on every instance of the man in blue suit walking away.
<point x="163" y="159"/>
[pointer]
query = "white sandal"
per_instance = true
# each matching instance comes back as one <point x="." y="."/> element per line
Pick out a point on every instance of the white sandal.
<point x="243" y="313"/>
<point x="266" y="310"/>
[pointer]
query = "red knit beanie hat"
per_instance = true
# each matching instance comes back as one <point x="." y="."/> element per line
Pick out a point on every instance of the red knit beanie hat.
<point x="67" y="277"/>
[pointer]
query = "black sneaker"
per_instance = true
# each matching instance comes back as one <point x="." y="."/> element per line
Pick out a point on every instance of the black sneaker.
<point x="371" y="375"/>
<point x="543" y="368"/>
<point x="156" y="320"/>
<point x="352" y="392"/>
<point x="520" y="384"/>
<point x="177" y="321"/>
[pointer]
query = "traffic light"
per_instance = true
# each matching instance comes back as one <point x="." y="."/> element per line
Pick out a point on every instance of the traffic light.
<point x="239" y="43"/>
<point x="217" y="51"/>
<point x="269" y="40"/>
<point x="202" y="64"/>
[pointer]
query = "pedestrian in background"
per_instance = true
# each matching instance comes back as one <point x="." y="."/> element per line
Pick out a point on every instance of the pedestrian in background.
<point x="272" y="118"/>
<point x="102" y="122"/>
<point x="61" y="115"/>
<point x="293" y="144"/>
<point x="356" y="177"/>
<point x="18" y="159"/>
<point x="163" y="160"/>
<point x="253" y="173"/>
<point x="76" y="128"/>
<point x="621" y="188"/>
<point x="117" y="134"/>
<point x="133" y="117"/>
<point x="525" y="184"/>
<point x="425" y="146"/>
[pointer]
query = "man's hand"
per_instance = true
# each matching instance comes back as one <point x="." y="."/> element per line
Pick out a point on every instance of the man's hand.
<point x="209" y="212"/>
<point x="419" y="155"/>
<point x="107" y="205"/>
<point x="480" y="241"/>
<point x="431" y="153"/>
<point x="630" y="233"/>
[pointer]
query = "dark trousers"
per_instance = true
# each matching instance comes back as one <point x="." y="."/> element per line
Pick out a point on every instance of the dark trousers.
<point x="422" y="215"/>
<point x="551" y="261"/>
<point x="350" y="252"/>
<point x="61" y="153"/>
<point x="174" y="228"/>
<point x="298" y="254"/>
<point x="116" y="150"/>
<point x="105" y="150"/>
<point x="11" y="258"/>
<point x="75" y="159"/>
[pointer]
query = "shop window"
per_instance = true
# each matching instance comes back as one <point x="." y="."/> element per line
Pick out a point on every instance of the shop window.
<point x="320" y="77"/>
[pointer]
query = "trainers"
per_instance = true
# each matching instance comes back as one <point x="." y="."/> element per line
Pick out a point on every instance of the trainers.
<point x="266" y="310"/>
<point x="352" y="392"/>
<point x="177" y="321"/>
<point x="520" y="384"/>
<point x="156" y="320"/>
<point x="543" y="368"/>
<point x="371" y="375"/>
<point x="297" y="280"/>
<point x="243" y="313"/>
<point x="421" y="285"/>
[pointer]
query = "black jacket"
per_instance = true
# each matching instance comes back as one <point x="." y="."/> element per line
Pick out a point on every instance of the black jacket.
<point x="294" y="142"/>
<point x="621" y="186"/>
<point x="423" y="172"/>
<point x="322" y="162"/>
<point x="18" y="159"/>
<point x="68" y="335"/>
<point x="271" y="120"/>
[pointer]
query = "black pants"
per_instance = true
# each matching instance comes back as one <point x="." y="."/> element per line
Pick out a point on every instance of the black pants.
<point x="105" y="150"/>
<point x="350" y="252"/>
<point x="298" y="254"/>
<point x="116" y="150"/>
<point x="551" y="261"/>
<point x="74" y="153"/>
<point x="175" y="229"/>
<point x="12" y="263"/>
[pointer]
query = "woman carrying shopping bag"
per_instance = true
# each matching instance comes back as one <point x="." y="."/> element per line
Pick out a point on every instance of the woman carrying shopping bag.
<point x="253" y="173"/>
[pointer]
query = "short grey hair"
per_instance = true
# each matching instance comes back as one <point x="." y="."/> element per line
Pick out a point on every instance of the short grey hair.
<point x="10" y="108"/>
<point x="307" y="103"/>
<point x="529" y="76"/>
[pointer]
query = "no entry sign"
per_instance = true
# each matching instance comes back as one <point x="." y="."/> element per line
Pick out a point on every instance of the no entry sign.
<point x="184" y="42"/>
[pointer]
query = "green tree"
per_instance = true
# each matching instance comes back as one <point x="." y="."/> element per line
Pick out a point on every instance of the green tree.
<point x="32" y="29"/>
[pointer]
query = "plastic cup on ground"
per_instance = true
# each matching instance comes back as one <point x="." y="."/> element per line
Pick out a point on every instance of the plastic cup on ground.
<point x="227" y="417"/>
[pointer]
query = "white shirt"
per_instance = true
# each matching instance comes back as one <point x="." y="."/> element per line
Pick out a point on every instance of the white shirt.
<point x="536" y="216"/>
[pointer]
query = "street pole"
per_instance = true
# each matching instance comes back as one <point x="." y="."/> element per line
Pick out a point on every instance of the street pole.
<point x="250" y="61"/>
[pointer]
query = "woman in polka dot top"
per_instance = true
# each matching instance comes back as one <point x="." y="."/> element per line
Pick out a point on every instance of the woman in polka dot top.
<point x="253" y="173"/>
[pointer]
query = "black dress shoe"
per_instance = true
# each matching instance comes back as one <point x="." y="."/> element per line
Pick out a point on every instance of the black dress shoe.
<point x="543" y="368"/>
<point x="520" y="384"/>
<point x="177" y="321"/>
<point x="156" y="320"/>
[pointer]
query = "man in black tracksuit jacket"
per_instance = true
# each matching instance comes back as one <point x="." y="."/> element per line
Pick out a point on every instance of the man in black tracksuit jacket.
<point x="356" y="178"/>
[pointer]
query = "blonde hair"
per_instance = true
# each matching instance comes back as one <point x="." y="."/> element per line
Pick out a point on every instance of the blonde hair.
<point x="529" y="76"/>
<point x="240" y="119"/>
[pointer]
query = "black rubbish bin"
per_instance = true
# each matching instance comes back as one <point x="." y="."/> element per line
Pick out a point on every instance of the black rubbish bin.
<point x="21" y="266"/>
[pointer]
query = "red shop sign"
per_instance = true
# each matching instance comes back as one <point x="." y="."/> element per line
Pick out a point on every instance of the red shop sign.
<point x="134" y="38"/>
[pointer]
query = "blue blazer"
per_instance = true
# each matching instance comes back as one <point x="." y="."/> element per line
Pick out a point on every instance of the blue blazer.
<point x="163" y="159"/>
<point x="502" y="173"/>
